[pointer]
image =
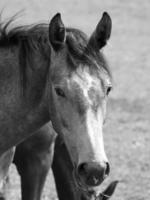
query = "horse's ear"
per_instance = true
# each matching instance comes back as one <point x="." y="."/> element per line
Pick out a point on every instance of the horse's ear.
<point x="57" y="32"/>
<point x="102" y="32"/>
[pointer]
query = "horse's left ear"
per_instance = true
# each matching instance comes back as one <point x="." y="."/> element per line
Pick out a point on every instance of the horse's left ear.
<point x="57" y="32"/>
<point x="102" y="32"/>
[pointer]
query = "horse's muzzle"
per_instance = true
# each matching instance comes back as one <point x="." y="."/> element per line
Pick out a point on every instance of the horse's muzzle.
<point x="92" y="173"/>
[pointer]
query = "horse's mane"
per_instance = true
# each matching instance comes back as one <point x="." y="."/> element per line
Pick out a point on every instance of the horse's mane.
<point x="35" y="37"/>
<point x="32" y="40"/>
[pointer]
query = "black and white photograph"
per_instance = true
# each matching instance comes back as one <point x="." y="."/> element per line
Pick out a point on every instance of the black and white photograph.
<point x="74" y="100"/>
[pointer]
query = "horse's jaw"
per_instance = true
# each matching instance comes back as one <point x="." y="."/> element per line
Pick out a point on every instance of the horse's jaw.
<point x="104" y="195"/>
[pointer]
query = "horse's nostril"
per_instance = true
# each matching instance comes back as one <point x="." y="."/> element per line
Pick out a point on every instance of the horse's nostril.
<point x="82" y="169"/>
<point x="107" y="171"/>
<point x="93" y="173"/>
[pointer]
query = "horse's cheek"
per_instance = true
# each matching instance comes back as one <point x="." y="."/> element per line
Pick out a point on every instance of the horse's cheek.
<point x="54" y="112"/>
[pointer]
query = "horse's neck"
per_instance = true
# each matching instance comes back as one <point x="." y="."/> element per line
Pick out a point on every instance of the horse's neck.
<point x="18" y="117"/>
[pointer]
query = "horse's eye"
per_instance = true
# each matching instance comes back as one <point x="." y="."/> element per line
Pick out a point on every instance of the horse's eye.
<point x="60" y="92"/>
<point x="108" y="90"/>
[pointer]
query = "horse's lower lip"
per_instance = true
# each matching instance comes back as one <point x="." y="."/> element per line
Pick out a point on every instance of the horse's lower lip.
<point x="89" y="192"/>
<point x="79" y="183"/>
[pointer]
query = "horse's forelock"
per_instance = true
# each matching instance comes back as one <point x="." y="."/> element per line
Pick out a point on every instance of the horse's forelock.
<point x="79" y="52"/>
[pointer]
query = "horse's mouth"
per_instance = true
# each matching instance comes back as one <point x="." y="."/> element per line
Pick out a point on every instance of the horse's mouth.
<point x="89" y="190"/>
<point x="92" y="193"/>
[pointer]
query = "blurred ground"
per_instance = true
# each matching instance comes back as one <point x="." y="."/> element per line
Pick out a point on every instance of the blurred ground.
<point x="127" y="133"/>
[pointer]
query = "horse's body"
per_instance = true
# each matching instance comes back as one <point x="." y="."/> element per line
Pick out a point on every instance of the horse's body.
<point x="20" y="115"/>
<point x="33" y="159"/>
<point x="58" y="74"/>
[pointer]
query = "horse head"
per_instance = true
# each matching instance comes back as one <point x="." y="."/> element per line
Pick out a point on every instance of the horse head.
<point x="80" y="82"/>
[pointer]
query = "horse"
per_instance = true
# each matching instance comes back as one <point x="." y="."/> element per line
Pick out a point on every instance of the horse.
<point x="58" y="74"/>
<point x="33" y="164"/>
<point x="33" y="159"/>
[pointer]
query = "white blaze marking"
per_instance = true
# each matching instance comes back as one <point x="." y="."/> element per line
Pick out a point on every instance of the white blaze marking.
<point x="92" y="145"/>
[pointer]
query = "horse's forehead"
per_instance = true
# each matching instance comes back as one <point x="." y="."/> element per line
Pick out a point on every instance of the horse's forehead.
<point x="85" y="80"/>
<point x="86" y="89"/>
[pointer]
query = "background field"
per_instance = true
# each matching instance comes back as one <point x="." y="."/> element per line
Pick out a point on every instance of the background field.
<point x="127" y="132"/>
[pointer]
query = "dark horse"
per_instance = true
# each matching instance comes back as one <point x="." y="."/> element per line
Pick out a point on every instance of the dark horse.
<point x="33" y="159"/>
<point x="57" y="74"/>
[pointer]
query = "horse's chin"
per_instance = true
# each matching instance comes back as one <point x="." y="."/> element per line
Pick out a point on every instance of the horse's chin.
<point x="88" y="190"/>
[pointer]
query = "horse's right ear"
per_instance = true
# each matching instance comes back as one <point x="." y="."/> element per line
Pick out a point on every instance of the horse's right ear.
<point x="57" y="32"/>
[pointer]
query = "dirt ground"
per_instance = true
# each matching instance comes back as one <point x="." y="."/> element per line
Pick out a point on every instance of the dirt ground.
<point x="127" y="131"/>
